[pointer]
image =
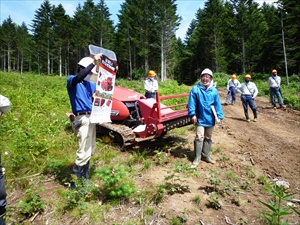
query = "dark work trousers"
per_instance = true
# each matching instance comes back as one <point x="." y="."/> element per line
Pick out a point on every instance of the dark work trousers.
<point x="247" y="100"/>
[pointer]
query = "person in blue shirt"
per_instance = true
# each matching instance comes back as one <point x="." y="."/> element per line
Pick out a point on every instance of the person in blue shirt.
<point x="204" y="109"/>
<point x="81" y="91"/>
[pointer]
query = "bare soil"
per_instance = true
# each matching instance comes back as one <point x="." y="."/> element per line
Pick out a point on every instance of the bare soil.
<point x="270" y="146"/>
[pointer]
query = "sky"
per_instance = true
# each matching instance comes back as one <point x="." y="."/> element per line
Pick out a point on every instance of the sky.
<point x="24" y="10"/>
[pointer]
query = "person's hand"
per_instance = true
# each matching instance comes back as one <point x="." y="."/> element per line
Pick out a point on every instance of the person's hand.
<point x="194" y="120"/>
<point x="253" y="98"/>
<point x="220" y="122"/>
<point x="97" y="58"/>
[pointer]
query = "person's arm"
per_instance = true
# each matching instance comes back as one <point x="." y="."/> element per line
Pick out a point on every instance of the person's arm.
<point x="218" y="107"/>
<point x="82" y="74"/>
<point x="238" y="87"/>
<point x="228" y="85"/>
<point x="192" y="104"/>
<point x="270" y="82"/>
<point x="255" y="91"/>
<point x="146" y="85"/>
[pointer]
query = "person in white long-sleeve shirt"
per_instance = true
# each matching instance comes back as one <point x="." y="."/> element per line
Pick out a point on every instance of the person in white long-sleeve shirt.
<point x="151" y="85"/>
<point x="232" y="85"/>
<point x="249" y="92"/>
<point x="274" y="85"/>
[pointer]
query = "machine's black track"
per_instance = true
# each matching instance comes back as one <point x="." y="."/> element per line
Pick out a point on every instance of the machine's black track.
<point x="125" y="133"/>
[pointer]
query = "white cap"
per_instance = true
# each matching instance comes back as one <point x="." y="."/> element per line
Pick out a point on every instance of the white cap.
<point x="207" y="71"/>
<point x="4" y="104"/>
<point x="85" y="61"/>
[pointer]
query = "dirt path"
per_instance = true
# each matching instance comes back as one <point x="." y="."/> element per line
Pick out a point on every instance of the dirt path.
<point x="273" y="140"/>
<point x="271" y="146"/>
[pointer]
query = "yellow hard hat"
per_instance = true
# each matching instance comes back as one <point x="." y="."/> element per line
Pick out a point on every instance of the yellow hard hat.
<point x="248" y="76"/>
<point x="233" y="77"/>
<point x="151" y="73"/>
<point x="274" y="71"/>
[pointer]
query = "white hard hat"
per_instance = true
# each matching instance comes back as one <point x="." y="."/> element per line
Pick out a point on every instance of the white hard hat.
<point x="85" y="61"/>
<point x="4" y="104"/>
<point x="207" y="71"/>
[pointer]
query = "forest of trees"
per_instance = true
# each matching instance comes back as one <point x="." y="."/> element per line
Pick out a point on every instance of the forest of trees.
<point x="233" y="36"/>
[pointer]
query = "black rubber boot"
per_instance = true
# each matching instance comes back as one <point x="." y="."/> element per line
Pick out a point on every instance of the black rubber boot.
<point x="79" y="172"/>
<point x="197" y="151"/>
<point x="86" y="170"/>
<point x="205" y="151"/>
<point x="247" y="117"/>
<point x="255" y="115"/>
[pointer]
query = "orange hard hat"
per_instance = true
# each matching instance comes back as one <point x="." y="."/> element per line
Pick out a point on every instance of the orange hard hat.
<point x="274" y="71"/>
<point x="151" y="73"/>
<point x="248" y="76"/>
<point x="233" y="77"/>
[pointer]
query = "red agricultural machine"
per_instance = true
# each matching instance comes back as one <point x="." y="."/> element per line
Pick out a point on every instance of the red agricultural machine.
<point x="135" y="118"/>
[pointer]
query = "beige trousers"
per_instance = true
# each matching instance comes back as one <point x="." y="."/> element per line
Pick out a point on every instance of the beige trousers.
<point x="86" y="139"/>
<point x="203" y="132"/>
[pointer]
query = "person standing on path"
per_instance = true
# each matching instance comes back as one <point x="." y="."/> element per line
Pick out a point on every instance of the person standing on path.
<point x="204" y="108"/>
<point x="249" y="92"/>
<point x="80" y="91"/>
<point x="232" y="85"/>
<point x="151" y="85"/>
<point x="274" y="85"/>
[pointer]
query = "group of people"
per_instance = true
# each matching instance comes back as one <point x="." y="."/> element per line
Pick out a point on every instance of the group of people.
<point x="204" y="108"/>
<point x="249" y="91"/>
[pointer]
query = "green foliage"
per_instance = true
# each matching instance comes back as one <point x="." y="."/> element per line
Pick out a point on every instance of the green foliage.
<point x="138" y="74"/>
<point x="32" y="203"/>
<point x="214" y="201"/>
<point x="277" y="205"/>
<point x="173" y="185"/>
<point x="232" y="176"/>
<point x="180" y="167"/>
<point x="197" y="200"/>
<point x="35" y="125"/>
<point x="116" y="181"/>
<point x="161" y="157"/>
<point x="249" y="171"/>
<point x="215" y="181"/>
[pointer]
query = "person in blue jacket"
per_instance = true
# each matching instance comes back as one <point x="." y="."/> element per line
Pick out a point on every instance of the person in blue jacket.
<point x="81" y="91"/>
<point x="204" y="109"/>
